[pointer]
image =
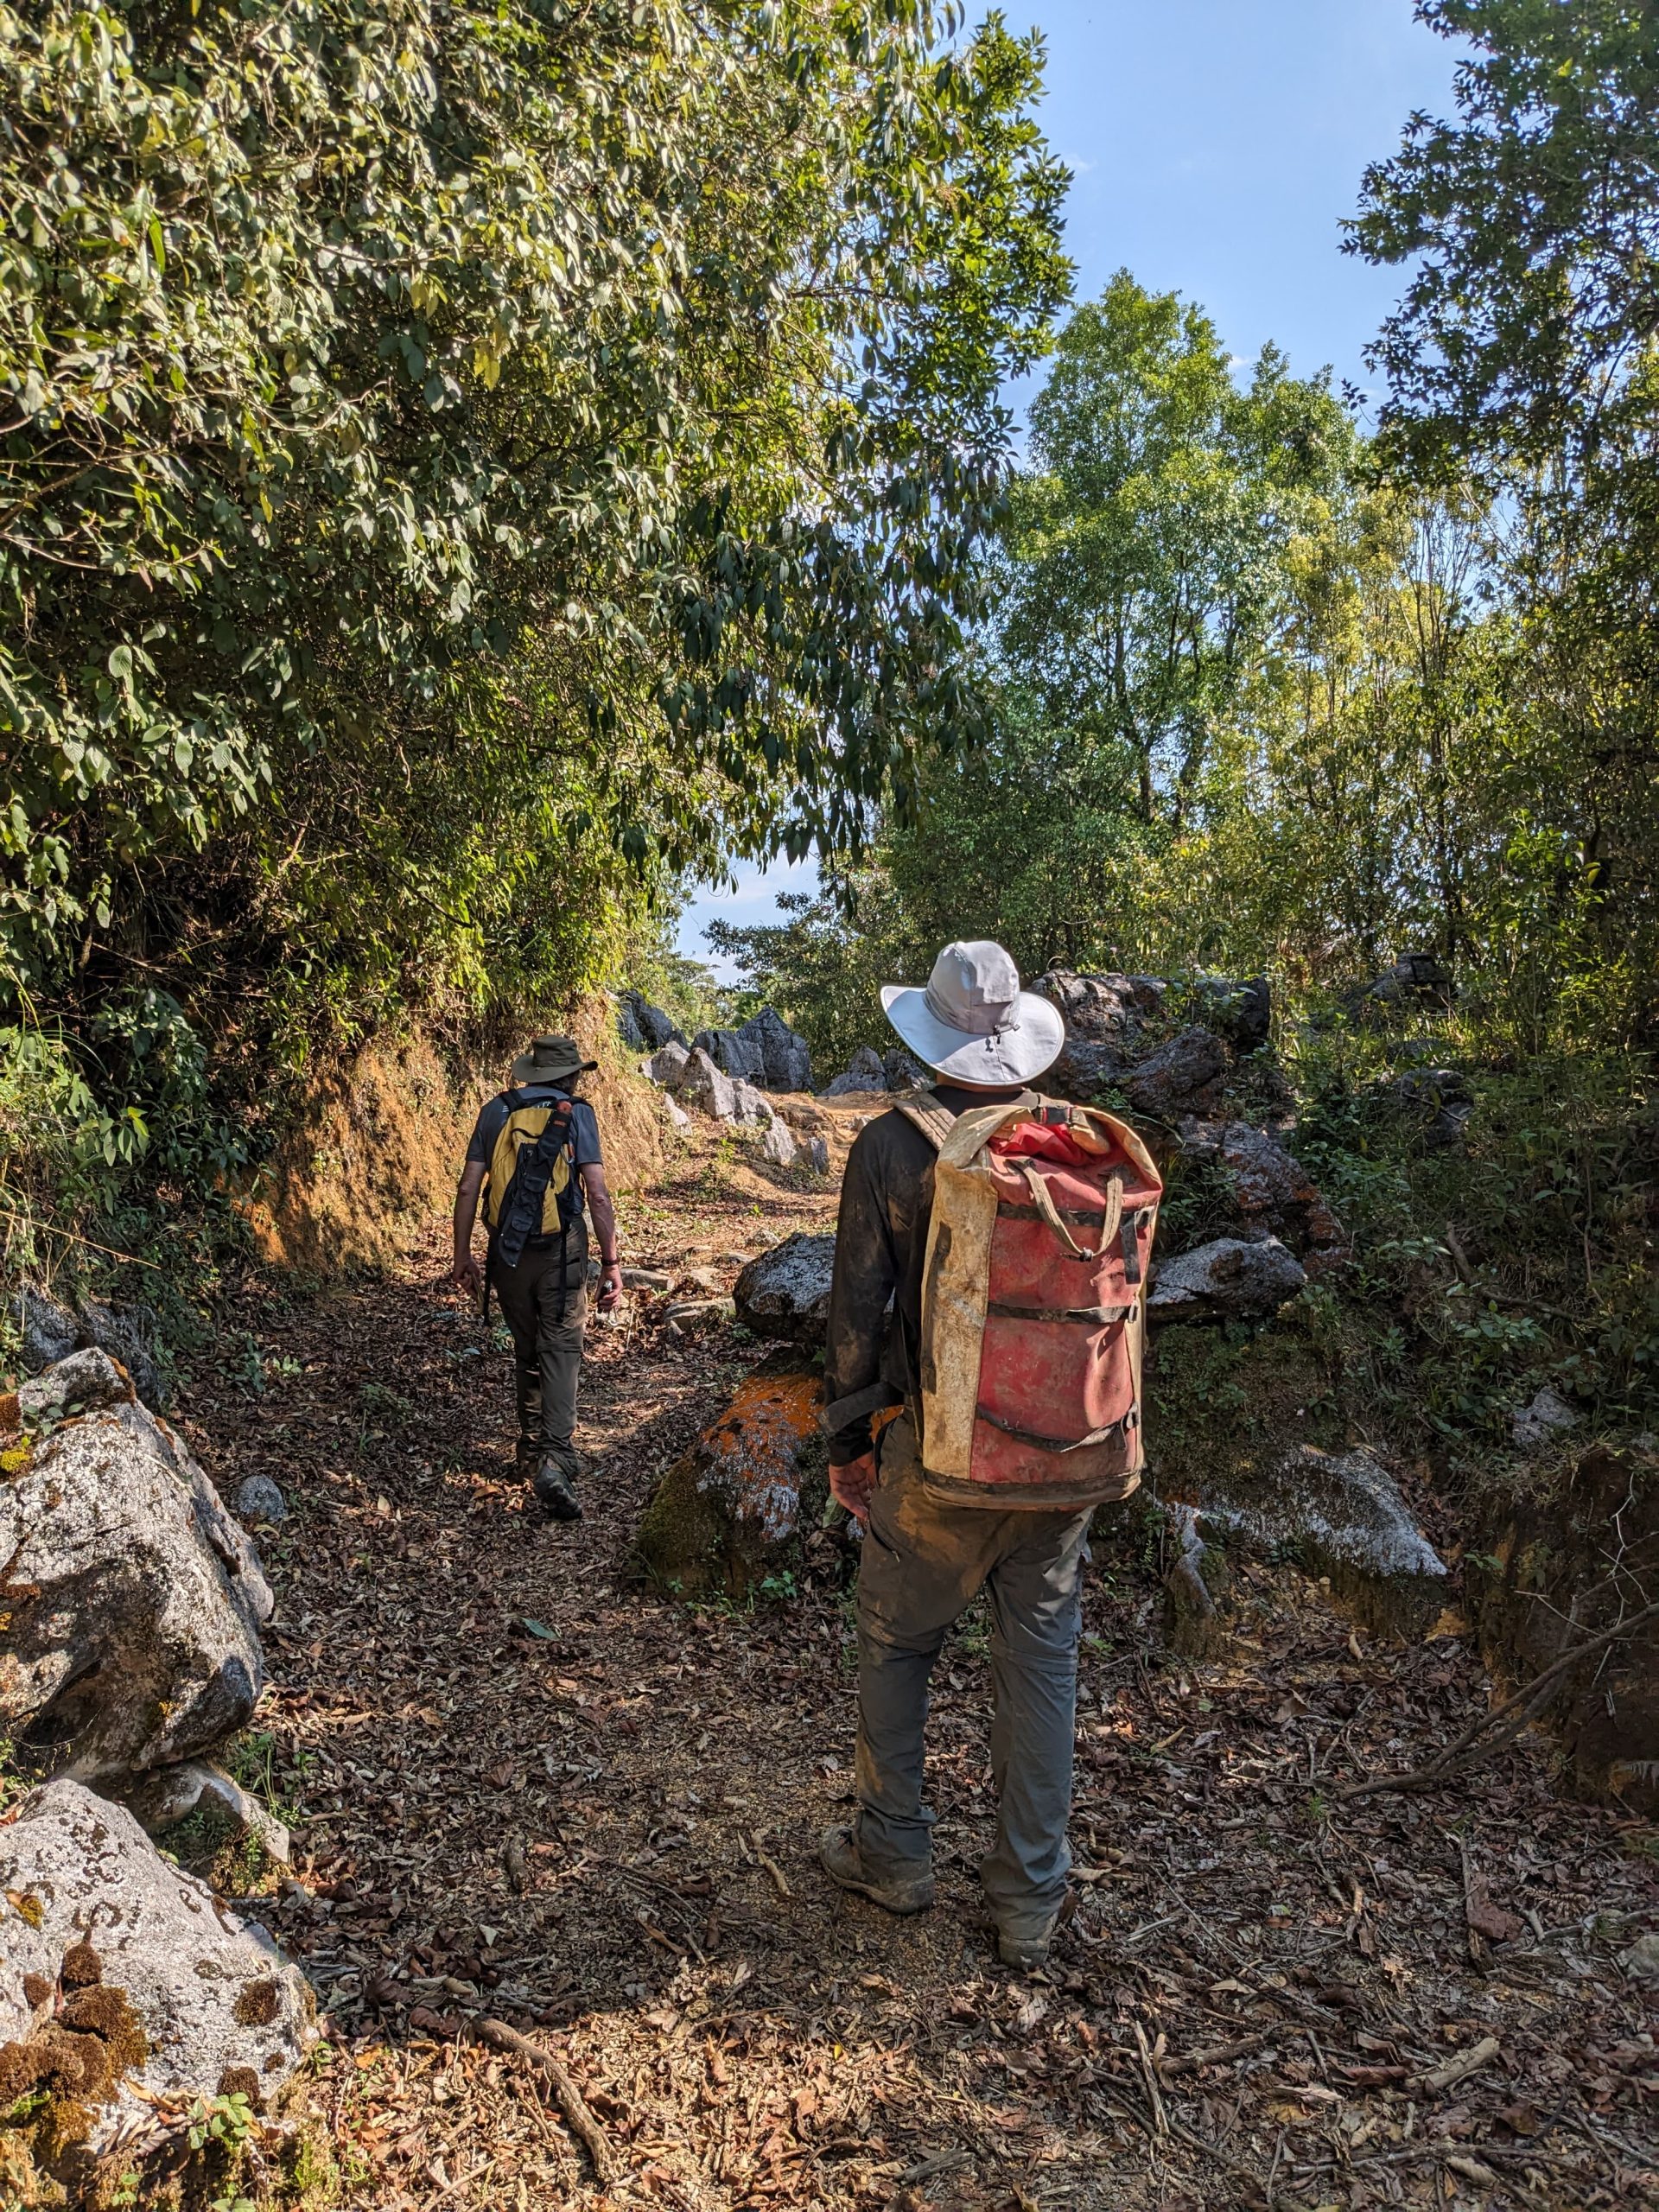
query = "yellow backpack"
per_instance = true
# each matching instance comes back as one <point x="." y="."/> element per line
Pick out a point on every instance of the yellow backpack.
<point x="534" y="1192"/>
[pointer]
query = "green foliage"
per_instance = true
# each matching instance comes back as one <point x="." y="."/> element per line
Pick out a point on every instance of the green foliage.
<point x="463" y="431"/>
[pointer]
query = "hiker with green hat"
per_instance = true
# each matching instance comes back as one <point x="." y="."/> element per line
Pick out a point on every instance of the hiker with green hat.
<point x="535" y="1151"/>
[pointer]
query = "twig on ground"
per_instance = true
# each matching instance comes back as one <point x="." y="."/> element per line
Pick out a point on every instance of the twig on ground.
<point x="1459" y="2069"/>
<point x="571" y="2100"/>
<point x="1508" y="1718"/>
<point x="1217" y="2054"/>
<point x="1154" y="2096"/>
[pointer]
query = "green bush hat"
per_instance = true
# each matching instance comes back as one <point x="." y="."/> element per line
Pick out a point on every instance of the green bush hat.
<point x="550" y="1060"/>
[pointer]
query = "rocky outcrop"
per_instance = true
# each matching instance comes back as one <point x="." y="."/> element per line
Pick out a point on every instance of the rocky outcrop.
<point x="1435" y="1104"/>
<point x="784" y="1056"/>
<point x="1538" y="1424"/>
<point x="1239" y="1012"/>
<point x="1228" y="1279"/>
<point x="1103" y="1009"/>
<point x="1182" y="1076"/>
<point x="786" y="1293"/>
<point x="127" y="1982"/>
<point x="135" y="1600"/>
<point x="667" y="1064"/>
<point x="1341" y="1514"/>
<point x="48" y="1331"/>
<point x="731" y="1513"/>
<point x="1551" y="1566"/>
<point x="863" y="1073"/>
<point x="765" y="1051"/>
<point x="644" y="1027"/>
<point x="1273" y="1193"/>
<point x="707" y="1087"/>
<point x="1420" y="983"/>
<point x="902" y="1071"/>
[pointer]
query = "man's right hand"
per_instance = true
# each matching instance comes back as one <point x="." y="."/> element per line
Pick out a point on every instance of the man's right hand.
<point x="466" y="1274"/>
<point x="854" y="1485"/>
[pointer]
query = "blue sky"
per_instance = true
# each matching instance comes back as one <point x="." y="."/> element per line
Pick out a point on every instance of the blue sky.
<point x="1215" y="146"/>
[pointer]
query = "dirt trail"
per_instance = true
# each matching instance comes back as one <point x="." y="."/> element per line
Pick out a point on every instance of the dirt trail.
<point x="531" y="1791"/>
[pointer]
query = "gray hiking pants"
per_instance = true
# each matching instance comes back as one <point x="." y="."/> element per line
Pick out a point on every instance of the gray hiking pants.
<point x="547" y="1335"/>
<point x="922" y="1566"/>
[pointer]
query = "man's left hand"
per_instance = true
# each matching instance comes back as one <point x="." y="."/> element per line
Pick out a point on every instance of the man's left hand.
<point x="853" y="1485"/>
<point x="610" y="1287"/>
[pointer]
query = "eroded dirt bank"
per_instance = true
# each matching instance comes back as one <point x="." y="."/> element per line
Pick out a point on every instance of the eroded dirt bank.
<point x="531" y="1790"/>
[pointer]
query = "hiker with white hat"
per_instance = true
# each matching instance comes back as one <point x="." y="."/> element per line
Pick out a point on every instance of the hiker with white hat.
<point x="989" y="1281"/>
<point x="535" y="1150"/>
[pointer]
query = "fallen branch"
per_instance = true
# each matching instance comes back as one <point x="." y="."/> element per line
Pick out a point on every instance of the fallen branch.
<point x="1219" y="2054"/>
<point x="1509" y="1718"/>
<point x="571" y="2101"/>
<point x="1459" y="2069"/>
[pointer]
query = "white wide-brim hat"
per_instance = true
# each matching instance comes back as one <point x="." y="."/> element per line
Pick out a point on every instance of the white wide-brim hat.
<point x="973" y="1022"/>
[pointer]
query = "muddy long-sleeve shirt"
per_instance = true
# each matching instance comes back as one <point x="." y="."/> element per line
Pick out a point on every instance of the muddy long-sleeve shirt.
<point x="886" y="1202"/>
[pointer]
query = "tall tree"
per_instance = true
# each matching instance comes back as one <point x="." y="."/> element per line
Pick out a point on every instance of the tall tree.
<point x="1142" y="552"/>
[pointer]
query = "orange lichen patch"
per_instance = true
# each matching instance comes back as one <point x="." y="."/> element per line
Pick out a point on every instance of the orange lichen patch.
<point x="753" y="1451"/>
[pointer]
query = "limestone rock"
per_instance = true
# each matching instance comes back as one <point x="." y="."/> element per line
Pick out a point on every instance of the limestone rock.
<point x="815" y="1155"/>
<point x="1436" y="1103"/>
<point x="707" y="1087"/>
<point x="1085" y="1068"/>
<point x="160" y="1800"/>
<point x="786" y="1293"/>
<point x="651" y="1279"/>
<point x="654" y="1027"/>
<point x="1183" y="1075"/>
<point x="778" y="1145"/>
<point x="863" y="1073"/>
<point x="261" y="1499"/>
<point x="730" y="1512"/>
<point x="633" y="1038"/>
<point x="1102" y="1009"/>
<point x="46" y="1329"/>
<point x="1226" y="1280"/>
<point x="677" y="1116"/>
<point x="1549" y="1416"/>
<point x="1420" y="982"/>
<point x="902" y="1071"/>
<point x="751" y="1107"/>
<point x="667" y="1064"/>
<point x="1274" y="1194"/>
<point x="218" y="2007"/>
<point x="136" y="1600"/>
<point x="732" y="1052"/>
<point x="784" y="1055"/>
<point x="1341" y="1514"/>
<point x="126" y="1333"/>
<point x="1241" y="1013"/>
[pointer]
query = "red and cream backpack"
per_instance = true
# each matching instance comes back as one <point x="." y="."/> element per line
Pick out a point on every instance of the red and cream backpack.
<point x="1033" y="1302"/>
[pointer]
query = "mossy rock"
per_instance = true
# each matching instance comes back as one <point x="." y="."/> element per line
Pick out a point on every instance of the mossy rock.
<point x="728" y="1515"/>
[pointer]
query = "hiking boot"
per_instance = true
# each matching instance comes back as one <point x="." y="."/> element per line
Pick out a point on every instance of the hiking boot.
<point x="555" y="1493"/>
<point x="1023" y="1945"/>
<point x="841" y="1859"/>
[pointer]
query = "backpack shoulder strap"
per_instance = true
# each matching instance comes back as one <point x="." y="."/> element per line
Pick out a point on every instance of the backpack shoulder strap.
<point x="924" y="1112"/>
